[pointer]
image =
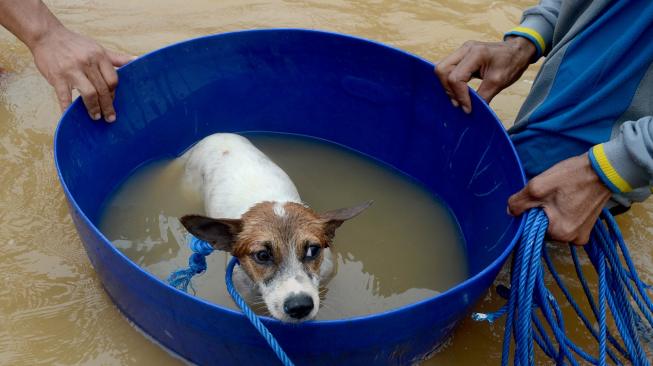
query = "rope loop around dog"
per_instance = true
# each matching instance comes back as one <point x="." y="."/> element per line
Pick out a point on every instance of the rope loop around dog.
<point x="182" y="280"/>
<point x="253" y="318"/>
<point x="530" y="303"/>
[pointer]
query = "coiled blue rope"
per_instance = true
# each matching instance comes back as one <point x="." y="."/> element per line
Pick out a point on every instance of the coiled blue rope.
<point x="181" y="279"/>
<point x="530" y="303"/>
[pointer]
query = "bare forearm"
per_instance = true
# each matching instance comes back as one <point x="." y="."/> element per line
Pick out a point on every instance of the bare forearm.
<point x="66" y="59"/>
<point x="29" y="20"/>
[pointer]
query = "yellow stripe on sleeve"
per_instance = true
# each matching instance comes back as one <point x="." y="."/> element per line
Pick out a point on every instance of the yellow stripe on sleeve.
<point x="608" y="169"/>
<point x="534" y="34"/>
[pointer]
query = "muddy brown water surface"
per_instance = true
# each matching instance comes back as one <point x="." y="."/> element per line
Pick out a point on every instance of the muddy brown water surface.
<point x="53" y="309"/>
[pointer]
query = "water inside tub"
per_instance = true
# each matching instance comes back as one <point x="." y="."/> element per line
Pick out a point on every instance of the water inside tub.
<point x="405" y="248"/>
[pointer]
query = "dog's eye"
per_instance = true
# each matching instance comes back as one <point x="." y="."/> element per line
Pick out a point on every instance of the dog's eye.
<point x="312" y="251"/>
<point x="263" y="256"/>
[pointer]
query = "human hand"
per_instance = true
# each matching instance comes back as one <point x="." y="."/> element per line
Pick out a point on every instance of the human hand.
<point x="70" y="61"/>
<point x="572" y="196"/>
<point x="498" y="64"/>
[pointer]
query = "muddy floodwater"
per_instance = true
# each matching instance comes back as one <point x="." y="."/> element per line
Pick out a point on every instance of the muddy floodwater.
<point x="53" y="310"/>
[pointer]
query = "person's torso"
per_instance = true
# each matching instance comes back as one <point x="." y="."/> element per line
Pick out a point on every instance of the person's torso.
<point x="597" y="75"/>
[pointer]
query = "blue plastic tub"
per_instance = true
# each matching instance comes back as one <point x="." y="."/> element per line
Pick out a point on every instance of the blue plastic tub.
<point x="378" y="100"/>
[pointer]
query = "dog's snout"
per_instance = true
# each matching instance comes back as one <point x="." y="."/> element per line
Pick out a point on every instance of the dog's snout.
<point x="298" y="306"/>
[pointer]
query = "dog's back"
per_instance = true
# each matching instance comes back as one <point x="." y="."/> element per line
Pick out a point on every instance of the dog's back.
<point x="233" y="175"/>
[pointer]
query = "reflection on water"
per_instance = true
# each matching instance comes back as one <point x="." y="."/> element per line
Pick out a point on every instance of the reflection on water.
<point x="52" y="307"/>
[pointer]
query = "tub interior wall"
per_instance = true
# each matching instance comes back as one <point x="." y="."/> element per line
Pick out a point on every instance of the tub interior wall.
<point x="248" y="84"/>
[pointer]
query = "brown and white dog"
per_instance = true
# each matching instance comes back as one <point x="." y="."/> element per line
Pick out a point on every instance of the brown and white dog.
<point x="255" y="213"/>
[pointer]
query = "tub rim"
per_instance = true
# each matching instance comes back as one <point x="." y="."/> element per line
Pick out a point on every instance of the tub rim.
<point x="461" y="286"/>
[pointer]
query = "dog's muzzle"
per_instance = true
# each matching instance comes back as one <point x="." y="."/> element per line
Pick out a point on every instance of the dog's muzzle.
<point x="298" y="306"/>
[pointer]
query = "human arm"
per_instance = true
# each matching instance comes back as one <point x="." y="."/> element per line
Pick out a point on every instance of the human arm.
<point x="573" y="192"/>
<point x="66" y="59"/>
<point x="572" y="196"/>
<point x="498" y="64"/>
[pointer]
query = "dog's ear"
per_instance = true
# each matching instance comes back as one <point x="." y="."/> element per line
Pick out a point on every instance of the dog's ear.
<point x="221" y="233"/>
<point x="333" y="219"/>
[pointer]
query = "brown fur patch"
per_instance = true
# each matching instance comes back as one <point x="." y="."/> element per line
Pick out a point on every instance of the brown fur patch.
<point x="286" y="234"/>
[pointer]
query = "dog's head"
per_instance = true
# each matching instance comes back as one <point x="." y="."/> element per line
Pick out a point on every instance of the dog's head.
<point x="280" y="247"/>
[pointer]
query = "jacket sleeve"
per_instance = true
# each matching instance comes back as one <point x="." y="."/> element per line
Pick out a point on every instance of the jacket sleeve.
<point x="537" y="25"/>
<point x="625" y="163"/>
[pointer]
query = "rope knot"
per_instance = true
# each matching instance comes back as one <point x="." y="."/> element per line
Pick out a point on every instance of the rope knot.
<point x="200" y="246"/>
<point x="197" y="263"/>
<point x="181" y="278"/>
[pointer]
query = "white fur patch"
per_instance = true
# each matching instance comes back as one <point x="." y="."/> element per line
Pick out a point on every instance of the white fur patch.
<point x="279" y="210"/>
<point x="291" y="287"/>
<point x="232" y="183"/>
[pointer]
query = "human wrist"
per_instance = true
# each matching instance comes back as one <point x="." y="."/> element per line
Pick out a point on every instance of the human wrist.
<point x="40" y="26"/>
<point x="616" y="167"/>
<point x="29" y="20"/>
<point x="525" y="51"/>
<point x="587" y="170"/>
<point x="597" y="161"/>
<point x="42" y="35"/>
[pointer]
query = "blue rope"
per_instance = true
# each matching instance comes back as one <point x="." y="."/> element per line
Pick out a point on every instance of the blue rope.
<point x="181" y="279"/>
<point x="620" y="291"/>
<point x="253" y="318"/>
<point x="596" y="334"/>
<point x="590" y="298"/>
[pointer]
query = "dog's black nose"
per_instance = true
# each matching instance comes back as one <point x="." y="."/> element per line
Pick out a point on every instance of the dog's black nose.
<point x="298" y="306"/>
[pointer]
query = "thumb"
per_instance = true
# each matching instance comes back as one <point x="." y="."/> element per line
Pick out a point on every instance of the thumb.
<point x="520" y="202"/>
<point x="119" y="59"/>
